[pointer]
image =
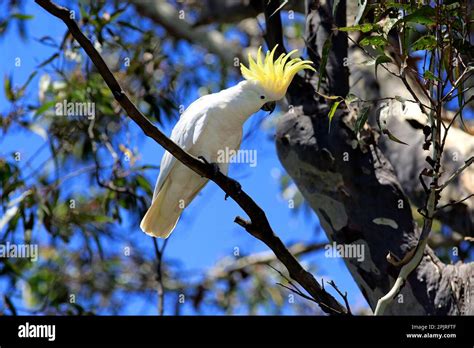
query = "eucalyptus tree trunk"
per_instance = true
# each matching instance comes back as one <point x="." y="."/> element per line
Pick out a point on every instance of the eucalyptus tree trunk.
<point x="354" y="188"/>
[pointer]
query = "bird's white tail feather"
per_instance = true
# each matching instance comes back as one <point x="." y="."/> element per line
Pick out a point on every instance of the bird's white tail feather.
<point x="162" y="217"/>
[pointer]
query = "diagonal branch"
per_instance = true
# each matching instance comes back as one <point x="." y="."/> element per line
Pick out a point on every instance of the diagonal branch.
<point x="229" y="265"/>
<point x="164" y="14"/>
<point x="258" y="226"/>
<point x="467" y="163"/>
<point x="159" y="274"/>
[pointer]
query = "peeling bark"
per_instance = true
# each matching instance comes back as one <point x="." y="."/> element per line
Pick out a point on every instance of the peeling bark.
<point x="356" y="193"/>
<point x="406" y="122"/>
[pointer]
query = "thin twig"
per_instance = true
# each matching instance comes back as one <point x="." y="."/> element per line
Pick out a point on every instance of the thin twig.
<point x="229" y="265"/>
<point x="456" y="83"/>
<point x="343" y="295"/>
<point x="303" y="295"/>
<point x="297" y="290"/>
<point x="159" y="274"/>
<point x="456" y="202"/>
<point x="458" y="171"/>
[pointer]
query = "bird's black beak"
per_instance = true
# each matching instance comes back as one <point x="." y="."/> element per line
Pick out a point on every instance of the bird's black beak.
<point x="270" y="106"/>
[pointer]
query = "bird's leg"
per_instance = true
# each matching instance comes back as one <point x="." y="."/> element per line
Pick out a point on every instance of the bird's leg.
<point x="235" y="186"/>
<point x="214" y="166"/>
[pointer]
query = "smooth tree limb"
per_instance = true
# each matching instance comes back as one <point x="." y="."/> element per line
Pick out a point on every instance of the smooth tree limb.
<point x="258" y="226"/>
<point x="351" y="185"/>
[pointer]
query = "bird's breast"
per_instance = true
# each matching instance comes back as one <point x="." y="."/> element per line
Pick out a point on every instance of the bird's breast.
<point x="220" y="136"/>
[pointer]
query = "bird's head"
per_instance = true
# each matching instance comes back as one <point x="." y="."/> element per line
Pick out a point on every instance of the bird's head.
<point x="272" y="77"/>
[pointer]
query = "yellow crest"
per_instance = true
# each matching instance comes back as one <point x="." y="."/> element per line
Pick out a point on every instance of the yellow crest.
<point x="274" y="76"/>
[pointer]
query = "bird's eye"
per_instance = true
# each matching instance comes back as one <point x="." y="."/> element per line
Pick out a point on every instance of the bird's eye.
<point x="262" y="97"/>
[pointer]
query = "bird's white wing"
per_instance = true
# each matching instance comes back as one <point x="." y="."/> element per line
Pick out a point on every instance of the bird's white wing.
<point x="185" y="134"/>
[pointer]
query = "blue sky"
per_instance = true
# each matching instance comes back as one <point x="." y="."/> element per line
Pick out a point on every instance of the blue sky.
<point x="206" y="232"/>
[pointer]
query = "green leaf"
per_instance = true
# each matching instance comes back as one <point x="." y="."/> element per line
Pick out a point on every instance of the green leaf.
<point x="143" y="183"/>
<point x="332" y="112"/>
<point x="425" y="15"/>
<point x="21" y="16"/>
<point x="373" y="41"/>
<point x="361" y="119"/>
<point x="45" y="107"/>
<point x="49" y="60"/>
<point x="130" y="26"/>
<point x="461" y="117"/>
<point x="457" y="73"/>
<point x="21" y="91"/>
<point x="329" y="97"/>
<point x="32" y="75"/>
<point x="83" y="12"/>
<point x="103" y="219"/>
<point x="392" y="4"/>
<point x="117" y="14"/>
<point x="365" y="28"/>
<point x="393" y="137"/>
<point x="350" y="98"/>
<point x="453" y="6"/>
<point x="3" y="26"/>
<point x="380" y="60"/>
<point x="428" y="75"/>
<point x="427" y="42"/>
<point x="383" y="126"/>
<point x="460" y="98"/>
<point x="7" y="85"/>
<point x="324" y="59"/>
<point x="453" y="9"/>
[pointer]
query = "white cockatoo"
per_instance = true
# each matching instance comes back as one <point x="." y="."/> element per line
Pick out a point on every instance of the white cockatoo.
<point x="211" y="124"/>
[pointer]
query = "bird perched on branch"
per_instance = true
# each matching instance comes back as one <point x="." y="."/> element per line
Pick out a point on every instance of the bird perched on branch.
<point x="211" y="124"/>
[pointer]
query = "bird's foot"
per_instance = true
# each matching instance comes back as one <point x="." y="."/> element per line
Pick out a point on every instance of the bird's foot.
<point x="236" y="187"/>
<point x="214" y="166"/>
<point x="234" y="184"/>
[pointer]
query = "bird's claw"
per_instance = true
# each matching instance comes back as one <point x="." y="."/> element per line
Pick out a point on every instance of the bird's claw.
<point x="236" y="187"/>
<point x="214" y="166"/>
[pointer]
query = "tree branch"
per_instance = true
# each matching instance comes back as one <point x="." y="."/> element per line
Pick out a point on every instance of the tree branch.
<point x="229" y="265"/>
<point x="458" y="171"/>
<point x="352" y="187"/>
<point x="258" y="226"/>
<point x="159" y="274"/>
<point x="165" y="15"/>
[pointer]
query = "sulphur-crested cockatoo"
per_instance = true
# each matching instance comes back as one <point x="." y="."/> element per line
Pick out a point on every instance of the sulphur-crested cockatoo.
<point x="212" y="124"/>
